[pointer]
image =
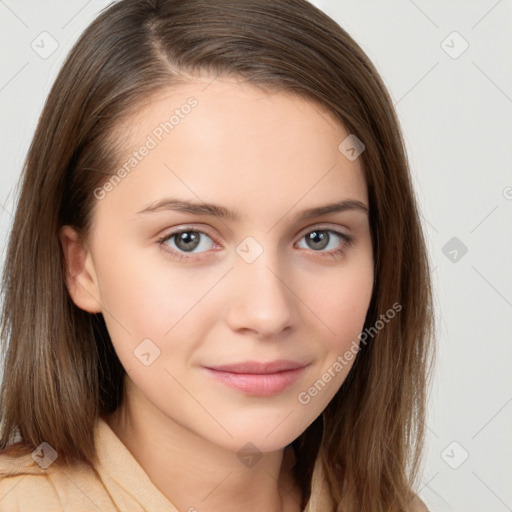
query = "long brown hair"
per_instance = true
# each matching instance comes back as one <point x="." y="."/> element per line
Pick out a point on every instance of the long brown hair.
<point x="61" y="372"/>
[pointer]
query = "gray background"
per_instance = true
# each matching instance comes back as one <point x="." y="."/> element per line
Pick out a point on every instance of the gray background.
<point x="455" y="107"/>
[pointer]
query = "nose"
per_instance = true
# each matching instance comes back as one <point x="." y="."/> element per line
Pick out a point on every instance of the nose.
<point x="262" y="300"/>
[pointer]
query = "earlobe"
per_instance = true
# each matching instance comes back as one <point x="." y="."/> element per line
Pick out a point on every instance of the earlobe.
<point x="81" y="280"/>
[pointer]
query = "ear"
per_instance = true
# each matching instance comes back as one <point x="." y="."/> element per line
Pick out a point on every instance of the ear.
<point x="81" y="280"/>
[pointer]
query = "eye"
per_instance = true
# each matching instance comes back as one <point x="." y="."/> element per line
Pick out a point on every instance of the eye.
<point x="186" y="241"/>
<point x="335" y="241"/>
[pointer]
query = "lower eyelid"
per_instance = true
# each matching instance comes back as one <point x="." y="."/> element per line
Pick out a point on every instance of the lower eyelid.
<point x="345" y="240"/>
<point x="174" y="234"/>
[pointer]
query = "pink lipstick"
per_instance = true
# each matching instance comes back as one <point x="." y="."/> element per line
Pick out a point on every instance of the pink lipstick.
<point x="258" y="378"/>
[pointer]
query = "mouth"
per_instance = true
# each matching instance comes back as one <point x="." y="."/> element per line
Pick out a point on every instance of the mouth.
<point x="258" y="378"/>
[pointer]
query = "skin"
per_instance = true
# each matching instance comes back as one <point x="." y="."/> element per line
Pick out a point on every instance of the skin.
<point x="268" y="156"/>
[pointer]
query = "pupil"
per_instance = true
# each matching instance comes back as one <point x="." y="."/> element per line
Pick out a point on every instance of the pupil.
<point x="187" y="240"/>
<point x="319" y="239"/>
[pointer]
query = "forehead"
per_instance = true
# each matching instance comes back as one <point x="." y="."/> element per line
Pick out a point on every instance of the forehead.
<point x="230" y="142"/>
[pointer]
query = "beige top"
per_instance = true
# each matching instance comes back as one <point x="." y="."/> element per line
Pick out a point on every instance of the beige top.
<point x="117" y="483"/>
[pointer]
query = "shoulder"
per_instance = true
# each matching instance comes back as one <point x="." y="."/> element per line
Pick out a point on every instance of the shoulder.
<point x="25" y="485"/>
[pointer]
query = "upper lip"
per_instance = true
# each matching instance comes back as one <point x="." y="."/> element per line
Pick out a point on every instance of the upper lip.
<point x="257" y="367"/>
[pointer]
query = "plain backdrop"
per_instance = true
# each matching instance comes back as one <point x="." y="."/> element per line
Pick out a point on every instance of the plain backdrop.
<point x="447" y="67"/>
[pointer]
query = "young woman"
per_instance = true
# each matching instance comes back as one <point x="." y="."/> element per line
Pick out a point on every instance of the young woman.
<point x="216" y="291"/>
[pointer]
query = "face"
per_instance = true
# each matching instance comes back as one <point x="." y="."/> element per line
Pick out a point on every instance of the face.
<point x="187" y="289"/>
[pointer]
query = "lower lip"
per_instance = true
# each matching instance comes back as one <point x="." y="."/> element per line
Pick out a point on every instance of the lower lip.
<point x="258" y="383"/>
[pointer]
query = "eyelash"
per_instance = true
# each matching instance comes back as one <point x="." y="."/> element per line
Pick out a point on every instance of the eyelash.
<point x="347" y="240"/>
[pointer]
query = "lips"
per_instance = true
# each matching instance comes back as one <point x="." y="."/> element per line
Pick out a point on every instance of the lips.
<point x="258" y="378"/>
<point x="255" y="367"/>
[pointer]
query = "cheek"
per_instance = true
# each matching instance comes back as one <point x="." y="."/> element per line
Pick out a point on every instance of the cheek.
<point x="342" y="308"/>
<point x="147" y="310"/>
<point x="147" y="296"/>
<point x="342" y="303"/>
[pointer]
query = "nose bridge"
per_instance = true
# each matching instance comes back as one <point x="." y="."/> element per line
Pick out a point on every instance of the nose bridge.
<point x="263" y="301"/>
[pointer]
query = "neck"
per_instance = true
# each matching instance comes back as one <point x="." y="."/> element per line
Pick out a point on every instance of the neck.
<point x="195" y="474"/>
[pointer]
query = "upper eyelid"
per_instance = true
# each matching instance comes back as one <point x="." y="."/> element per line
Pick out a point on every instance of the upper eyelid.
<point x="318" y="226"/>
<point x="303" y="231"/>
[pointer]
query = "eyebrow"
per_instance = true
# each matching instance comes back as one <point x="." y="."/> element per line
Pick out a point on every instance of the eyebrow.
<point x="215" y="210"/>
